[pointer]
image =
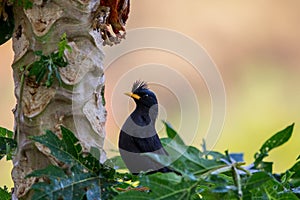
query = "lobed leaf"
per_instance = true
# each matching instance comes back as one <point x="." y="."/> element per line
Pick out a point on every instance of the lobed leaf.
<point x="84" y="177"/>
<point x="63" y="186"/>
<point x="217" y="186"/>
<point x="205" y="175"/>
<point x="166" y="186"/>
<point x="68" y="149"/>
<point x="262" y="185"/>
<point x="187" y="160"/>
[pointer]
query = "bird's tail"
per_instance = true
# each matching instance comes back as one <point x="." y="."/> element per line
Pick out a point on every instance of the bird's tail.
<point x="164" y="170"/>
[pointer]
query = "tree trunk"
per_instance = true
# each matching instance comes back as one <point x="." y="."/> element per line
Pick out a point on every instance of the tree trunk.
<point x="77" y="104"/>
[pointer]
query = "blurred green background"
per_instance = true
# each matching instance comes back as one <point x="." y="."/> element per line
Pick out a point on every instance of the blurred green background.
<point x="255" y="45"/>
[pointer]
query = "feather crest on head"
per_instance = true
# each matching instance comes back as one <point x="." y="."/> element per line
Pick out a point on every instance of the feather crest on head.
<point x="137" y="85"/>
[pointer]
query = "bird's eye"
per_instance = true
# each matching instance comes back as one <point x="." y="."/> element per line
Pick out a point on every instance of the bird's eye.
<point x="146" y="95"/>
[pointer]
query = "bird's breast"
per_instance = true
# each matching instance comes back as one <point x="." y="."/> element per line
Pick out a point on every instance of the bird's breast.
<point x="138" y="127"/>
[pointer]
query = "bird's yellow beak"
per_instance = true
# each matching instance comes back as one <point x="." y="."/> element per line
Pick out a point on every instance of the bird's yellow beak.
<point x="132" y="95"/>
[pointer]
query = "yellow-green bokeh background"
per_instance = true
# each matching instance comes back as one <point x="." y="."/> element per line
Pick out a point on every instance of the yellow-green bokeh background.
<point x="256" y="46"/>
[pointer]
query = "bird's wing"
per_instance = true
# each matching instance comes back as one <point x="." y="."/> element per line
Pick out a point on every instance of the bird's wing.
<point x="141" y="145"/>
<point x="149" y="144"/>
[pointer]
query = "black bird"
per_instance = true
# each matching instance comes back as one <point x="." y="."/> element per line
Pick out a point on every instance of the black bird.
<point x="138" y="134"/>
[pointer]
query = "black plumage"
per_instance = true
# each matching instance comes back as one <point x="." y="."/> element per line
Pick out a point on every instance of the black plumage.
<point x="138" y="134"/>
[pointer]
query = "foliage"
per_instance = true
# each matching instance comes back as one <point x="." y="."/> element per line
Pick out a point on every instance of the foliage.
<point x="4" y="194"/>
<point x="204" y="174"/>
<point x="172" y="133"/>
<point x="85" y="175"/>
<point x="212" y="175"/>
<point x="7" y="144"/>
<point x="163" y="186"/>
<point x="49" y="64"/>
<point x="26" y="4"/>
<point x="275" y="141"/>
<point x="65" y="185"/>
<point x="7" y="21"/>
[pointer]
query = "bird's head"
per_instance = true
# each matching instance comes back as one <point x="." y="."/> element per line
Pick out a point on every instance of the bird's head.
<point x="142" y="95"/>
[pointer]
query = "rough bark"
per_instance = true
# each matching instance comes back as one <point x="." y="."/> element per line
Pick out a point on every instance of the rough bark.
<point x="77" y="104"/>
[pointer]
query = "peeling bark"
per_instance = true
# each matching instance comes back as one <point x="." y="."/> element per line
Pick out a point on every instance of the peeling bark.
<point x="78" y="103"/>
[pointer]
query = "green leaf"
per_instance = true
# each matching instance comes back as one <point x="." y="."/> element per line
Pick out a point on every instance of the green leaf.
<point x="286" y="178"/>
<point x="4" y="194"/>
<point x="168" y="186"/>
<point x="6" y="25"/>
<point x="6" y="133"/>
<point x="278" y="139"/>
<point x="63" y="45"/>
<point x="118" y="163"/>
<point x="187" y="160"/>
<point x="68" y="149"/>
<point x="84" y="177"/>
<point x="296" y="168"/>
<point x="65" y="186"/>
<point x="38" y="70"/>
<point x="218" y="186"/>
<point x="205" y="175"/>
<point x="275" y="141"/>
<point x="46" y="68"/>
<point x="257" y="179"/>
<point x="7" y="144"/>
<point x="38" y="53"/>
<point x="26" y="4"/>
<point x="172" y="133"/>
<point x="265" y="166"/>
<point x="262" y="185"/>
<point x="295" y="179"/>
